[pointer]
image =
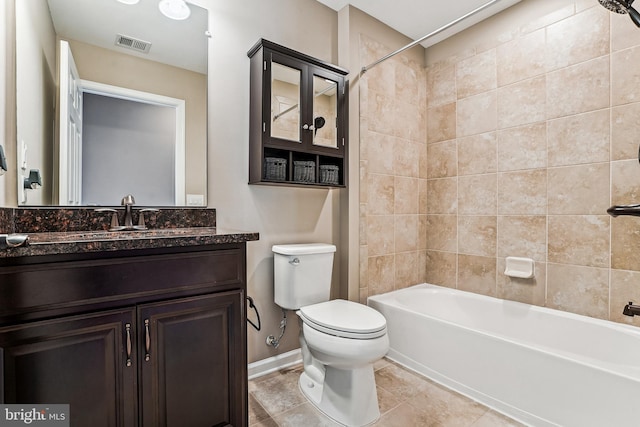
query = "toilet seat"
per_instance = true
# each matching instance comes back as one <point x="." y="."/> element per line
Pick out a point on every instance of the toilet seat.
<point x="345" y="319"/>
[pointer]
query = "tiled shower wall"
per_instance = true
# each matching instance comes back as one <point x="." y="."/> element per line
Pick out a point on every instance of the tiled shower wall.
<point x="392" y="172"/>
<point x="528" y="141"/>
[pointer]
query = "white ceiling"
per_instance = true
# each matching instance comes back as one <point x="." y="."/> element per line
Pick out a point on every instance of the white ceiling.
<point x="417" y="18"/>
<point x="179" y="43"/>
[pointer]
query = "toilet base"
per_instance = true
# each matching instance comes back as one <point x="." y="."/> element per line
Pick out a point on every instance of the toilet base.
<point x="348" y="396"/>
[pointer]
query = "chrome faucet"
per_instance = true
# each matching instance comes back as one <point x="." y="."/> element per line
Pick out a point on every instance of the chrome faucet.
<point x="631" y="309"/>
<point x="128" y="201"/>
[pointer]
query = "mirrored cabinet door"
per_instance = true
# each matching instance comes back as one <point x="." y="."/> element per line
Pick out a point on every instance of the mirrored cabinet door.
<point x="285" y="102"/>
<point x="325" y="112"/>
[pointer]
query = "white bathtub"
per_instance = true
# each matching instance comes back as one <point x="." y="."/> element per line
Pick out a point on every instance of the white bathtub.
<point x="540" y="366"/>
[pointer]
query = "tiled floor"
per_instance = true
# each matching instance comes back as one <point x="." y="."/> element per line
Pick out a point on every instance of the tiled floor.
<point x="405" y="398"/>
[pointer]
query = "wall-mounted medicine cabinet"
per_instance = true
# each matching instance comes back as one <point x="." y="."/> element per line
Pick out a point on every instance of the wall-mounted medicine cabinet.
<point x="298" y="119"/>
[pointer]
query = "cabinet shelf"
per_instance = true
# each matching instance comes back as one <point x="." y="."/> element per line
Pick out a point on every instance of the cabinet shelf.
<point x="298" y="119"/>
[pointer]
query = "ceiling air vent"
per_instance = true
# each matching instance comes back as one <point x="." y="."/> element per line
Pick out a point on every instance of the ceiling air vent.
<point x="132" y="43"/>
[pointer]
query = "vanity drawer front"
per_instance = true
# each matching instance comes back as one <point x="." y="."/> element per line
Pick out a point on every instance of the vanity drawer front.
<point x="44" y="290"/>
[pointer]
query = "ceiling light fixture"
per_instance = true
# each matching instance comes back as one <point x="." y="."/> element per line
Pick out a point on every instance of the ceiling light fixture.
<point x="175" y="9"/>
<point x="129" y="1"/>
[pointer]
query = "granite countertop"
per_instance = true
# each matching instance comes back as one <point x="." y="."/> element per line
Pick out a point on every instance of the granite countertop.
<point x="70" y="230"/>
<point x="75" y="242"/>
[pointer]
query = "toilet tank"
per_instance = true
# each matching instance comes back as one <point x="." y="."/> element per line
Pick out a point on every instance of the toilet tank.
<point x="302" y="274"/>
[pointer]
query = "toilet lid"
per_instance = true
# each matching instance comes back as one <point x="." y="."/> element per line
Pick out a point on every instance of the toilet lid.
<point x="345" y="319"/>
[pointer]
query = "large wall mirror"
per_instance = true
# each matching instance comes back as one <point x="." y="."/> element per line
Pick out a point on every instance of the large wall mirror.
<point x="111" y="100"/>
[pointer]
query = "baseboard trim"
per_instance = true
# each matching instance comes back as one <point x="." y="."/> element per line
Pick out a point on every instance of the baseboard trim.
<point x="275" y="363"/>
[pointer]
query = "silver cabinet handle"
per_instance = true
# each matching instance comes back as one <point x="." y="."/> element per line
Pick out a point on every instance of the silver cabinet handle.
<point x="147" y="340"/>
<point x="127" y="328"/>
<point x="305" y="127"/>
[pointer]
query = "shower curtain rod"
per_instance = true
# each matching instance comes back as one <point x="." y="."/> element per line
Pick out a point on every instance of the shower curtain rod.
<point x="433" y="33"/>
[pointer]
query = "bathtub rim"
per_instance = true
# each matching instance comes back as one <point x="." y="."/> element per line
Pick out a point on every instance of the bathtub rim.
<point x="633" y="374"/>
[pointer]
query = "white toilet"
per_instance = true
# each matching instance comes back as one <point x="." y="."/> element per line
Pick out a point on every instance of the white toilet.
<point x="339" y="339"/>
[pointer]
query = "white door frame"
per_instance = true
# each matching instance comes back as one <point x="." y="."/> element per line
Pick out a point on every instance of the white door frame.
<point x="154" y="99"/>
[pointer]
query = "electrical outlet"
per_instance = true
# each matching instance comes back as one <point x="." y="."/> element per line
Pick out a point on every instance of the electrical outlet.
<point x="195" y="199"/>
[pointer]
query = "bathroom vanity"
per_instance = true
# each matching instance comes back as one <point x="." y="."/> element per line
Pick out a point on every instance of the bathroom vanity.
<point x="129" y="329"/>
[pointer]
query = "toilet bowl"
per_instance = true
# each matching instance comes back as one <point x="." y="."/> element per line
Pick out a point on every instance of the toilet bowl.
<point x="340" y="340"/>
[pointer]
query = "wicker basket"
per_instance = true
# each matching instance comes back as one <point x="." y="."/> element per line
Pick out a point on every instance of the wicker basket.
<point x="329" y="174"/>
<point x="275" y="168"/>
<point x="304" y="171"/>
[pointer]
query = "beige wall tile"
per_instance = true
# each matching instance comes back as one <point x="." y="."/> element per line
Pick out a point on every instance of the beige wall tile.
<point x="625" y="241"/>
<point x="521" y="58"/>
<point x="407" y="78"/>
<point x="523" y="147"/>
<point x="442" y="268"/>
<point x="407" y="273"/>
<point x="406" y="233"/>
<point x="406" y="158"/>
<point x="579" y="190"/>
<point x="442" y="232"/>
<point x="568" y="43"/>
<point x="380" y="234"/>
<point x="625" y="174"/>
<point x="624" y="288"/>
<point x="522" y="236"/>
<point x="477" y="194"/>
<point x="410" y="122"/>
<point x="381" y="194"/>
<point x="382" y="274"/>
<point x="522" y="192"/>
<point x="625" y="86"/>
<point x="422" y="196"/>
<point x="528" y="291"/>
<point x="477" y="154"/>
<point x="441" y="123"/>
<point x="442" y="196"/>
<point x="623" y="35"/>
<point x="476" y="114"/>
<point x="381" y="110"/>
<point x="406" y="195"/>
<point x="476" y="74"/>
<point x="625" y="122"/>
<point x="477" y="274"/>
<point x="423" y="228"/>
<point x="522" y="103"/>
<point x="579" y="240"/>
<point x="564" y="11"/>
<point x="442" y="159"/>
<point x="441" y="85"/>
<point x="578" y="89"/>
<point x="477" y="235"/>
<point x="583" y="138"/>
<point x="578" y="289"/>
<point x="380" y="153"/>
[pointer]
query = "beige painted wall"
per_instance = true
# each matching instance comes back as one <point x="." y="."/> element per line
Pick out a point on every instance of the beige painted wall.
<point x="36" y="84"/>
<point x="8" y="189"/>
<point x="279" y="214"/>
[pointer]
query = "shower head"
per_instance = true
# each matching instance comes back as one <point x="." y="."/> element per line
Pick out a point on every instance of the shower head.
<point x="622" y="6"/>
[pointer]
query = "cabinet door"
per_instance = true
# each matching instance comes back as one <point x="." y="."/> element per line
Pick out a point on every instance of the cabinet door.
<point x="192" y="361"/>
<point x="81" y="361"/>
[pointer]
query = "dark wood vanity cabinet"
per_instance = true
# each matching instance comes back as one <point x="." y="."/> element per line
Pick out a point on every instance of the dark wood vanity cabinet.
<point x="298" y="119"/>
<point x="151" y="338"/>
